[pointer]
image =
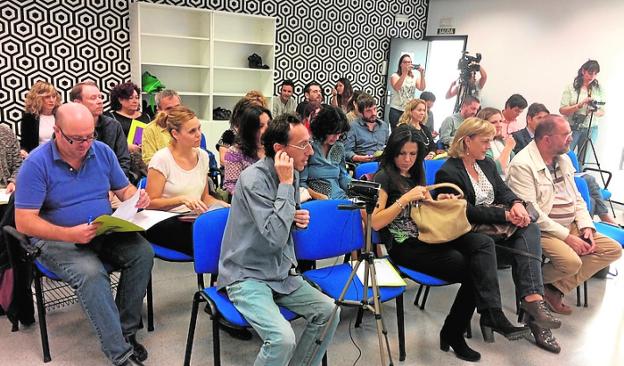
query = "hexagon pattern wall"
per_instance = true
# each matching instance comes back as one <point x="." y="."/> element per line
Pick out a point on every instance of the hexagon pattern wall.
<point x="67" y="41"/>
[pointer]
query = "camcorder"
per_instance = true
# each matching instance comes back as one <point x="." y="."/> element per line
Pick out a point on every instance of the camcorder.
<point x="594" y="105"/>
<point x="415" y="66"/>
<point x="467" y="65"/>
<point x="363" y="190"/>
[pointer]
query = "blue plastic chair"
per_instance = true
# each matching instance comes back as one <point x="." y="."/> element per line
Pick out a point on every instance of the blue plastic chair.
<point x="604" y="192"/>
<point x="208" y="232"/>
<point x="366" y="169"/>
<point x="431" y="168"/>
<point x="332" y="233"/>
<point x="165" y="254"/>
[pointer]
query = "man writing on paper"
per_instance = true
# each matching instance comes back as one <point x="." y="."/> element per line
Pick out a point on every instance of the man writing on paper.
<point x="258" y="254"/>
<point x="66" y="184"/>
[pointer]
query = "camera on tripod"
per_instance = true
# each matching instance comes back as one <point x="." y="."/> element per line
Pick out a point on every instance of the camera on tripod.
<point x="594" y="105"/>
<point x="467" y="65"/>
<point x="364" y="191"/>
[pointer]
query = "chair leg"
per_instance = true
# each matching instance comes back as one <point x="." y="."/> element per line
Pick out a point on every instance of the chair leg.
<point x="417" y="298"/>
<point x="360" y="314"/>
<point x="191" y="332"/>
<point x="585" y="294"/>
<point x="401" y="327"/>
<point x="578" y="295"/>
<point x="43" y="328"/>
<point x="150" y="307"/>
<point x="216" y="342"/>
<point x="324" y="361"/>
<point x="424" y="300"/>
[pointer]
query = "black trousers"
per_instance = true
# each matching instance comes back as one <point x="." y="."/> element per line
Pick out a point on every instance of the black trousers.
<point x="469" y="260"/>
<point x="173" y="234"/>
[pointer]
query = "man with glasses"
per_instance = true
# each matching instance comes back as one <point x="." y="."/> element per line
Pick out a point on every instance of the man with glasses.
<point x="257" y="260"/>
<point x="65" y="187"/>
<point x="109" y="130"/>
<point x="368" y="134"/>
<point x="543" y="174"/>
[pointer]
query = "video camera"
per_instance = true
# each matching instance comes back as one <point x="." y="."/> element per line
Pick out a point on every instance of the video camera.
<point x="363" y="190"/>
<point x="467" y="65"/>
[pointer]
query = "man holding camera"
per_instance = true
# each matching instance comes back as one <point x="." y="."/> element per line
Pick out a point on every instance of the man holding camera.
<point x="543" y="174"/>
<point x="474" y="85"/>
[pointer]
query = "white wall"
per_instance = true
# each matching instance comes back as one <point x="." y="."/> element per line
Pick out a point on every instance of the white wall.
<point x="535" y="47"/>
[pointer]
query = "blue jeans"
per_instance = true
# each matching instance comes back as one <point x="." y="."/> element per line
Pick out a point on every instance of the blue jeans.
<point x="259" y="305"/>
<point x="81" y="267"/>
<point x="579" y="138"/>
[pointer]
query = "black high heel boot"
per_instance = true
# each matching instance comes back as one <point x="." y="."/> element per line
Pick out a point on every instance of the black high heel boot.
<point x="454" y="338"/>
<point x="494" y="320"/>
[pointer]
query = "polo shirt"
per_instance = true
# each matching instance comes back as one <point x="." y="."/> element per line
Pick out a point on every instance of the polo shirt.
<point x="362" y="141"/>
<point x="63" y="195"/>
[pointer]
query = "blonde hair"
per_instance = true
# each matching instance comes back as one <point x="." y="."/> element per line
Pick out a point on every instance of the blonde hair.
<point x="471" y="127"/>
<point x="174" y="119"/>
<point x="34" y="98"/>
<point x="257" y="98"/>
<point x="406" y="117"/>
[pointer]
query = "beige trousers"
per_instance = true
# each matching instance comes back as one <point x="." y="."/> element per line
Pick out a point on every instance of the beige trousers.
<point x="566" y="269"/>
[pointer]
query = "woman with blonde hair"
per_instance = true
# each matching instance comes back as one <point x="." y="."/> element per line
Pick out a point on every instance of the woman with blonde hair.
<point x="415" y="115"/>
<point x="177" y="180"/>
<point x="37" y="124"/>
<point x="501" y="150"/>
<point x="490" y="201"/>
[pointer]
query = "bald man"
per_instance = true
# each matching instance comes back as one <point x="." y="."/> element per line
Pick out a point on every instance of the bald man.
<point x="66" y="184"/>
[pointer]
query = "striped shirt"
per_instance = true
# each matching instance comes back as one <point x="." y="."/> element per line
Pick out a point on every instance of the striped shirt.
<point x="563" y="210"/>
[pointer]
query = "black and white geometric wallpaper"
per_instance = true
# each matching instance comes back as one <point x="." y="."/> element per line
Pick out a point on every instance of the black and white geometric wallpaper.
<point x="68" y="41"/>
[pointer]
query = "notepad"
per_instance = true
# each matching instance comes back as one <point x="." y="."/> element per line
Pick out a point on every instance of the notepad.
<point x="135" y="134"/>
<point x="387" y="275"/>
<point x="4" y="197"/>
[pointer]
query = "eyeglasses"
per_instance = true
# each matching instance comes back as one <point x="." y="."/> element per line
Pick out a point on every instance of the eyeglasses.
<point x="302" y="146"/>
<point x="78" y="139"/>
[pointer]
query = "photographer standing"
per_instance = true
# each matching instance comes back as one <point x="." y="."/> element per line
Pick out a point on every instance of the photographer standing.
<point x="404" y="84"/>
<point x="474" y="86"/>
<point x="579" y="101"/>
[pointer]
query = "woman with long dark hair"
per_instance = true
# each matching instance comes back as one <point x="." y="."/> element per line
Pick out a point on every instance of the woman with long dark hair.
<point x="576" y="105"/>
<point x="341" y="95"/>
<point x="469" y="260"/>
<point x="404" y="83"/>
<point x="247" y="148"/>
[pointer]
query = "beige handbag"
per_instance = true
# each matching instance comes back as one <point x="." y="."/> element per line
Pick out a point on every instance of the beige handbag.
<point x="441" y="221"/>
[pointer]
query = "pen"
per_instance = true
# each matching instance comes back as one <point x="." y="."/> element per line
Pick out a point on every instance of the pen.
<point x="89" y="220"/>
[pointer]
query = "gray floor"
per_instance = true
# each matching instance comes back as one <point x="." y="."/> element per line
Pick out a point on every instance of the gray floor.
<point x="590" y="336"/>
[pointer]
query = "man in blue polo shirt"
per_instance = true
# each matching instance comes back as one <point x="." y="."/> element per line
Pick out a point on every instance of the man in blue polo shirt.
<point x="65" y="185"/>
<point x="368" y="134"/>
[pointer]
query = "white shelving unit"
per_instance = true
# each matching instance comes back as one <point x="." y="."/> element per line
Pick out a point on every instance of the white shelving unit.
<point x="202" y="54"/>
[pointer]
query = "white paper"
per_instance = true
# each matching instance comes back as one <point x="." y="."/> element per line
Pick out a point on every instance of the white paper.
<point x="148" y="218"/>
<point x="387" y="275"/>
<point x="127" y="209"/>
<point x="4" y="197"/>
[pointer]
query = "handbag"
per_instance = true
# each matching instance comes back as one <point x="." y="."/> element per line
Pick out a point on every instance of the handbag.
<point x="441" y="221"/>
<point x="499" y="230"/>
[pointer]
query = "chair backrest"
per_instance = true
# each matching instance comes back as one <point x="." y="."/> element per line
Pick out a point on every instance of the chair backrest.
<point x="431" y="168"/>
<point x="142" y="183"/>
<point x="575" y="161"/>
<point x="208" y="232"/>
<point x="331" y="232"/>
<point x="366" y="168"/>
<point x="202" y="142"/>
<point x="581" y="185"/>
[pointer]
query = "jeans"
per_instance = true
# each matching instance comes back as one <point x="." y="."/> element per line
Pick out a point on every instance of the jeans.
<point x="598" y="205"/>
<point x="394" y="117"/>
<point x="526" y="271"/>
<point x="258" y="303"/>
<point x="579" y="138"/>
<point x="81" y="267"/>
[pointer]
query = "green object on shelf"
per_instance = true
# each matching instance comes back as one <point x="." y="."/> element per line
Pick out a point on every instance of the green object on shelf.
<point x="151" y="85"/>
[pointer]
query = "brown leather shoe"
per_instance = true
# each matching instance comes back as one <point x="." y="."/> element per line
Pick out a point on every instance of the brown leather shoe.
<point x="554" y="300"/>
<point x="538" y="313"/>
<point x="544" y="338"/>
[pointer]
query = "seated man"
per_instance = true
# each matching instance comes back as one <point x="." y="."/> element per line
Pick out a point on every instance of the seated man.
<point x="156" y="136"/>
<point x="368" y="134"/>
<point x="258" y="254"/>
<point x="535" y="114"/>
<point x="313" y="94"/>
<point x="285" y="102"/>
<point x="68" y="182"/>
<point x="514" y="106"/>
<point x="543" y="174"/>
<point x="468" y="108"/>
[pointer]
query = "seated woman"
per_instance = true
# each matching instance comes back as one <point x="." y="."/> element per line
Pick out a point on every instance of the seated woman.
<point x="415" y="114"/>
<point x="37" y="124"/>
<point x="326" y="175"/>
<point x="177" y="181"/>
<point x="247" y="148"/>
<point x="490" y="201"/>
<point x="10" y="159"/>
<point x="341" y="95"/>
<point x="501" y="150"/>
<point x="125" y="101"/>
<point x="353" y="113"/>
<point x="468" y="260"/>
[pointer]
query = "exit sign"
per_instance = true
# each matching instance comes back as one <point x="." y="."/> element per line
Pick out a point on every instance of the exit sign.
<point x="446" y="31"/>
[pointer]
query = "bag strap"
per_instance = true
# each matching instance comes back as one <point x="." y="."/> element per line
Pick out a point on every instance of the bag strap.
<point x="448" y="185"/>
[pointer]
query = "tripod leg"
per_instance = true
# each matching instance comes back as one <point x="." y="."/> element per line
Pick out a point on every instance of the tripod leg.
<point x="358" y="319"/>
<point x="382" y="332"/>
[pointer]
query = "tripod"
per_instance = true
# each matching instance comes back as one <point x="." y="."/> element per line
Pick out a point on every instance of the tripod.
<point x="462" y="92"/>
<point x="367" y="256"/>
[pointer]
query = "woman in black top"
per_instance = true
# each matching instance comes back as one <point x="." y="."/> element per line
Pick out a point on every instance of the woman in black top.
<point x="37" y="124"/>
<point x="469" y="260"/>
<point x="490" y="201"/>
<point x="415" y="114"/>
<point x="125" y="102"/>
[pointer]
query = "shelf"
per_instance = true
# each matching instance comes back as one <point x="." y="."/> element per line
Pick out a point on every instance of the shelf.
<point x="241" y="69"/>
<point x="217" y="94"/>
<point x="174" y="20"/>
<point x="160" y="35"/>
<point x="182" y="93"/>
<point x="245" y="42"/>
<point x="187" y="66"/>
